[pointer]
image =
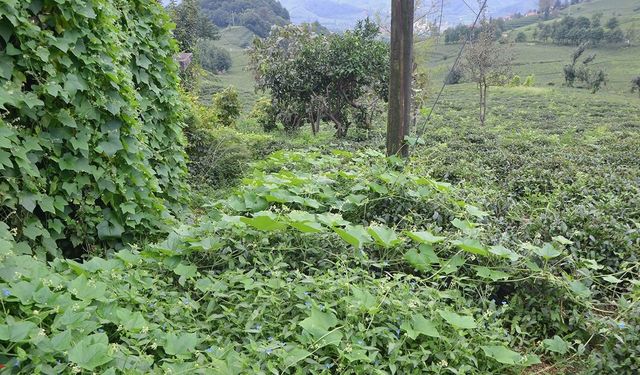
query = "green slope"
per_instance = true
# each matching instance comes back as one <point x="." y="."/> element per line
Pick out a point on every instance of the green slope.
<point x="236" y="40"/>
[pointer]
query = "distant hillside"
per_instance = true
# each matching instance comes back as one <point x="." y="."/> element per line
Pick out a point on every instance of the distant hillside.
<point x="626" y="11"/>
<point x="256" y="15"/>
<point x="342" y="14"/>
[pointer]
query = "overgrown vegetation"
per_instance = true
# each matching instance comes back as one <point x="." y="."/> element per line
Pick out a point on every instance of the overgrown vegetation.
<point x="508" y="248"/>
<point x="592" y="79"/>
<point x="91" y="150"/>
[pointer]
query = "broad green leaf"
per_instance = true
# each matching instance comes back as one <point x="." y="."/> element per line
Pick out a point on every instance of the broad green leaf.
<point x="91" y="352"/>
<point x="186" y="270"/>
<point x="111" y="146"/>
<point x="503" y="252"/>
<point x="472" y="246"/>
<point x="418" y="261"/>
<point x="85" y="290"/>
<point x="16" y="331"/>
<point x="556" y="345"/>
<point x="307" y="226"/>
<point x="294" y="356"/>
<point x="458" y="321"/>
<point x="465" y="226"/>
<point x="264" y="222"/>
<point x="612" y="279"/>
<point x="109" y="230"/>
<point x="28" y="201"/>
<point x="424" y="326"/>
<point x="66" y="119"/>
<point x="384" y="236"/>
<point x="530" y="360"/>
<point x="562" y="240"/>
<point x="425" y="237"/>
<point x="356" y="355"/>
<point x="475" y="211"/>
<point x="356" y="236"/>
<point x="502" y="354"/>
<point x="363" y="299"/>
<point x="423" y="259"/>
<point x="180" y="345"/>
<point x="580" y="289"/>
<point x="547" y="251"/>
<point x="452" y="265"/>
<point x="331" y="220"/>
<point x="62" y="340"/>
<point x="494" y="275"/>
<point x="319" y="323"/>
<point x="131" y="321"/>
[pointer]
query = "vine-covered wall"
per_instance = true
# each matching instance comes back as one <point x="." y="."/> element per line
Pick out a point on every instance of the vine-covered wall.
<point x="91" y="144"/>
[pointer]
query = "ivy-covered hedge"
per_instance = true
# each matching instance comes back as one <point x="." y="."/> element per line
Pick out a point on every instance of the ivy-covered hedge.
<point x="91" y="144"/>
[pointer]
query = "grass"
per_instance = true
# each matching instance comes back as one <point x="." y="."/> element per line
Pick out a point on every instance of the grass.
<point x="546" y="62"/>
<point x="235" y="39"/>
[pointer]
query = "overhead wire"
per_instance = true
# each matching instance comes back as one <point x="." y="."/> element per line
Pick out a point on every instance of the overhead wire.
<point x="455" y="63"/>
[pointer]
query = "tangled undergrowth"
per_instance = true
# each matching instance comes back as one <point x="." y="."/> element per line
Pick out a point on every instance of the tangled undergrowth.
<point x="324" y="263"/>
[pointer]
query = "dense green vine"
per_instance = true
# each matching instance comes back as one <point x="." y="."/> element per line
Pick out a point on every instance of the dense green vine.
<point x="90" y="122"/>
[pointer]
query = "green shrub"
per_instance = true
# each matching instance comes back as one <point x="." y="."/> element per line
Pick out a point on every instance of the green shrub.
<point x="91" y="145"/>
<point x="212" y="58"/>
<point x="262" y="113"/>
<point x="635" y="85"/>
<point x="454" y="77"/>
<point x="530" y="81"/>
<point x="219" y="156"/>
<point x="227" y="106"/>
<point x="620" y="349"/>
<point x="515" y="81"/>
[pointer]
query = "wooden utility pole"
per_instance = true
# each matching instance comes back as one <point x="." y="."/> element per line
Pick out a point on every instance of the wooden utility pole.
<point x="400" y="81"/>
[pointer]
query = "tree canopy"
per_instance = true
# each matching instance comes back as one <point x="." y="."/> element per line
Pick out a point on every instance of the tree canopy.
<point x="312" y="77"/>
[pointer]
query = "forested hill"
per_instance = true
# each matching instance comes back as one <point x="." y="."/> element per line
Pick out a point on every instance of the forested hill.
<point x="256" y="15"/>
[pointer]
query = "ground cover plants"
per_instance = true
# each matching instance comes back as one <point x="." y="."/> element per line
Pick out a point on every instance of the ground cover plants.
<point x="508" y="248"/>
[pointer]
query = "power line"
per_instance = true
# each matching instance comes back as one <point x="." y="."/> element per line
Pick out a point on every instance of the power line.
<point x="455" y="63"/>
<point x="470" y="7"/>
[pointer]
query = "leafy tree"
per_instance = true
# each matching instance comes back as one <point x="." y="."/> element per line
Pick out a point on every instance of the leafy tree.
<point x="226" y="105"/>
<point x="191" y="24"/>
<point x="593" y="79"/>
<point x="614" y="36"/>
<point x="521" y="37"/>
<point x="544" y="7"/>
<point x="487" y="63"/>
<point x="613" y="23"/>
<point x="338" y="78"/>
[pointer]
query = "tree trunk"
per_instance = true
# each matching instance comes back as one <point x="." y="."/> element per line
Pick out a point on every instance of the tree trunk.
<point x="399" y="119"/>
<point x="483" y="101"/>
